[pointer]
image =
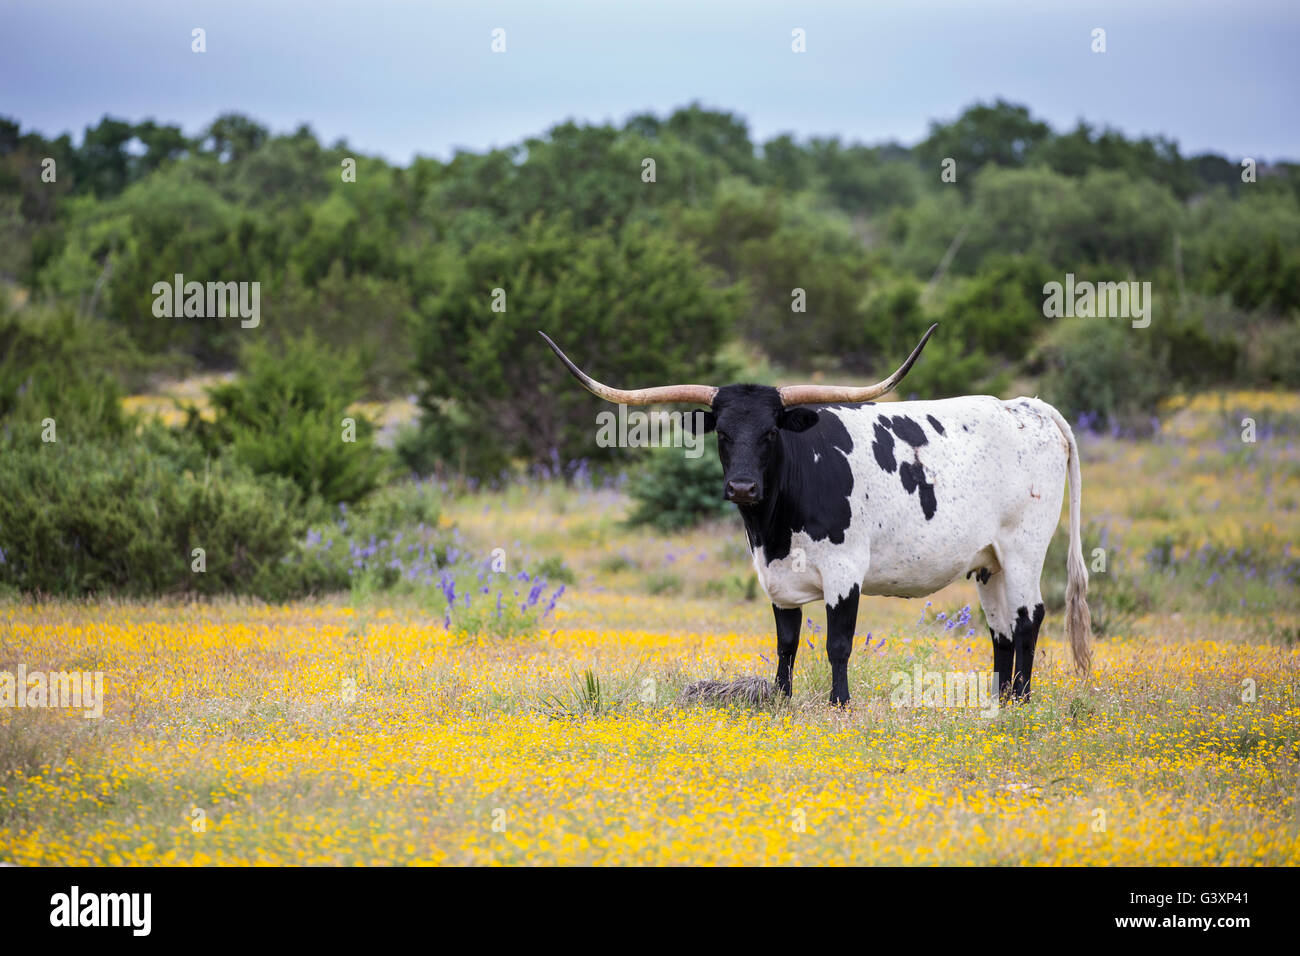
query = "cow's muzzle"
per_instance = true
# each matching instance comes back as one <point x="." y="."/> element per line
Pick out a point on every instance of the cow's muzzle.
<point x="742" y="492"/>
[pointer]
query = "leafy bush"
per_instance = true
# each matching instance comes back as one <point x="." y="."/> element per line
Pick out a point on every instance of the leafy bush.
<point x="94" y="519"/>
<point x="769" y="245"/>
<point x="448" y="440"/>
<point x="394" y="542"/>
<point x="1103" y="367"/>
<point x="1199" y="341"/>
<point x="554" y="568"/>
<point x="398" y="506"/>
<point x="896" y="319"/>
<point x="117" y="249"/>
<point x="1106" y="368"/>
<point x="361" y="312"/>
<point x="55" y="365"/>
<point x="672" y="491"/>
<point x="947" y="368"/>
<point x="1102" y="221"/>
<point x="1000" y="309"/>
<point x="285" y="416"/>
<point x="395" y="546"/>
<point x="89" y="519"/>
<point x="1250" y="249"/>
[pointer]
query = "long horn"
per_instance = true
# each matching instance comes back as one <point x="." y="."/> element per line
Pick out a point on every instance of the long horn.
<point x="810" y="394"/>
<point x="700" y="394"/>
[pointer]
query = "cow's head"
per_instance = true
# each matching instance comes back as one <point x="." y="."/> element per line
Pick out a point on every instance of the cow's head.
<point x="749" y="419"/>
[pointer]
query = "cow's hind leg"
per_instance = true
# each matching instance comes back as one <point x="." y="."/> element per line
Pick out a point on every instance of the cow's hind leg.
<point x="993" y="600"/>
<point x="1025" y="611"/>
<point x="787" y="644"/>
<point x="841" y="620"/>
<point x="1025" y="637"/>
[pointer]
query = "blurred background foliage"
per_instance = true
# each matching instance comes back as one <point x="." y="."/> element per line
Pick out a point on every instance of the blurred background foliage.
<point x="384" y="289"/>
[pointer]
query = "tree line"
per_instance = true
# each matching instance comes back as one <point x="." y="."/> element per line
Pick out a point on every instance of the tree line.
<point x="664" y="248"/>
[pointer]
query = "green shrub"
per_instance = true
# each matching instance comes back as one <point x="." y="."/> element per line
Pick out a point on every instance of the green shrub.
<point x="394" y="547"/>
<point x="769" y="245"/>
<point x="77" y="520"/>
<point x="662" y="582"/>
<point x="946" y="368"/>
<point x="285" y="416"/>
<point x="357" y="311"/>
<point x="448" y="440"/>
<point x="1000" y="308"/>
<point x="896" y="319"/>
<point x="553" y="568"/>
<point x="1248" y="248"/>
<point x="55" y="365"/>
<point x="392" y="544"/>
<point x="672" y="491"/>
<point x="1197" y="345"/>
<point x="398" y="506"/>
<point x="1105" y="368"/>
<point x="88" y="519"/>
<point x="181" y="447"/>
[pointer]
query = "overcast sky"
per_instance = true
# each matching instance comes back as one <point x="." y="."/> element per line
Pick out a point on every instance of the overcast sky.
<point x="400" y="77"/>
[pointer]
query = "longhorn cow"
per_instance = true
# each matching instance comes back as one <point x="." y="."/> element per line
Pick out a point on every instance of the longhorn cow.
<point x="842" y="497"/>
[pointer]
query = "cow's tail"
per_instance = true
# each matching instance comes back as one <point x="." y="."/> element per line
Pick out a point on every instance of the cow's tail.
<point x="1078" y="619"/>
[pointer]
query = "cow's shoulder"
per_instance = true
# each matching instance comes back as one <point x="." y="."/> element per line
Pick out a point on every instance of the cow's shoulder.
<point x="815" y="487"/>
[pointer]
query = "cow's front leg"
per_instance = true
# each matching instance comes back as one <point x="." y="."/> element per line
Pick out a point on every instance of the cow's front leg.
<point x="1004" y="660"/>
<point x="787" y="644"/>
<point x="841" y="620"/>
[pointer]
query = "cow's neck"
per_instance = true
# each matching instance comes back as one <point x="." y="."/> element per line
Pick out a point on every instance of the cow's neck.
<point x="759" y="520"/>
<point x="768" y="524"/>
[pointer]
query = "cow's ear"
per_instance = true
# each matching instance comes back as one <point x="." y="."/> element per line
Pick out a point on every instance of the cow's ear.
<point x="699" y="422"/>
<point x="798" y="419"/>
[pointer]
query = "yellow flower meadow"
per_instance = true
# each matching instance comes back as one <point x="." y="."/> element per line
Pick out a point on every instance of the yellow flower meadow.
<point x="317" y="735"/>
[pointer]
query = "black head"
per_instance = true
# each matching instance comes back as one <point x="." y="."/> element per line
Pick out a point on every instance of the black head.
<point x="749" y="420"/>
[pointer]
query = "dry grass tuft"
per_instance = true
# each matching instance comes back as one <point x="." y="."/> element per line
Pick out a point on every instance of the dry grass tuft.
<point x="752" y="691"/>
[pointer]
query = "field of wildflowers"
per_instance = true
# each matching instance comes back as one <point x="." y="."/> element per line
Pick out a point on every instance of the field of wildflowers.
<point x="486" y="716"/>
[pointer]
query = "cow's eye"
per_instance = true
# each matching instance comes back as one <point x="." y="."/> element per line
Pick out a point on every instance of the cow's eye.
<point x="771" y="434"/>
<point x="723" y="436"/>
